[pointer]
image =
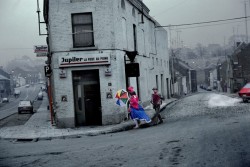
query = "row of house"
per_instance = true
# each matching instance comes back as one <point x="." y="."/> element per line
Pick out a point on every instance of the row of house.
<point x="232" y="74"/>
<point x="184" y="77"/>
<point x="99" y="47"/>
<point x="5" y="84"/>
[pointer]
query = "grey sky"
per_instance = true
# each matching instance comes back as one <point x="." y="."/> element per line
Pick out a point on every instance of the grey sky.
<point x="190" y="11"/>
<point x="19" y="27"/>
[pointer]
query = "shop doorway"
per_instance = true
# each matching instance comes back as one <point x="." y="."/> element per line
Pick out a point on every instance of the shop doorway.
<point x="87" y="100"/>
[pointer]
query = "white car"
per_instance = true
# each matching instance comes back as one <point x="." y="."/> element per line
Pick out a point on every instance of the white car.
<point x="40" y="96"/>
<point x="5" y="100"/>
<point x="25" y="105"/>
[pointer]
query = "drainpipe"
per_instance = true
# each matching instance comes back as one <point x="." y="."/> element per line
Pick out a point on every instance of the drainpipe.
<point x="50" y="101"/>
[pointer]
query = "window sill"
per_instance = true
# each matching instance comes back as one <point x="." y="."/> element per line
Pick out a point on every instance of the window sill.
<point x="84" y="49"/>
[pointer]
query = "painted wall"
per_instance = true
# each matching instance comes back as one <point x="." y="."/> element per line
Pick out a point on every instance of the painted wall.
<point x="113" y="33"/>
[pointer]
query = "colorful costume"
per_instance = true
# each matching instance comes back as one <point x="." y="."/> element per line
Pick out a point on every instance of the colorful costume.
<point x="136" y="111"/>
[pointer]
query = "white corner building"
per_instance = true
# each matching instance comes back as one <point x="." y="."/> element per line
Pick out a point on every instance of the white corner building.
<point x="89" y="42"/>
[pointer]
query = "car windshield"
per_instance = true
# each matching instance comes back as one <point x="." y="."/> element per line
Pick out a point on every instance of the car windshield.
<point x="247" y="85"/>
<point x="24" y="103"/>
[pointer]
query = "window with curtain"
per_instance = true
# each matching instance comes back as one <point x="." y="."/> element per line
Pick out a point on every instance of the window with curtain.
<point x="83" y="35"/>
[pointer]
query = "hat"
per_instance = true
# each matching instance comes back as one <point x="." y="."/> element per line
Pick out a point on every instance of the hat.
<point x="155" y="88"/>
<point x="130" y="89"/>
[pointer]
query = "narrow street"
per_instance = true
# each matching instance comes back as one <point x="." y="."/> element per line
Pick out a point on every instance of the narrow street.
<point x="9" y="111"/>
<point x="202" y="130"/>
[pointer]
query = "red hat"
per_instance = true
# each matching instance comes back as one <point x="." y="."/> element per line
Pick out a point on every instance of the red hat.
<point x="130" y="89"/>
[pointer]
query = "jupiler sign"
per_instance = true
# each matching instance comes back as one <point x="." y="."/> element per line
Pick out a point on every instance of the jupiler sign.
<point x="84" y="60"/>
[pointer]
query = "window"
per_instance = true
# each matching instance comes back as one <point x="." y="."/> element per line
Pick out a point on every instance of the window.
<point x="123" y="4"/>
<point x="133" y="12"/>
<point x="135" y="37"/>
<point x="82" y="25"/>
<point x="156" y="81"/>
<point x="124" y="31"/>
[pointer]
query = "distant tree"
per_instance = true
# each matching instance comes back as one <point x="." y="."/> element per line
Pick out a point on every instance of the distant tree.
<point x="218" y="52"/>
<point x="201" y="50"/>
<point x="191" y="55"/>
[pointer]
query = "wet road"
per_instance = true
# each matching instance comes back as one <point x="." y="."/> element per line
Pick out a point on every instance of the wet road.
<point x="10" y="108"/>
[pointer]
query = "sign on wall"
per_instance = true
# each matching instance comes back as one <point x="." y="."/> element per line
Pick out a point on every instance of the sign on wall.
<point x="85" y="60"/>
<point x="47" y="70"/>
<point x="41" y="50"/>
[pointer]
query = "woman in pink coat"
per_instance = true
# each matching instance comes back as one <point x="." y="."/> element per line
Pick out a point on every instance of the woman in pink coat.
<point x="136" y="111"/>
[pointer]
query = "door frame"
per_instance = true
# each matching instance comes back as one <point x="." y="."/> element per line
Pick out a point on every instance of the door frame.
<point x="82" y="82"/>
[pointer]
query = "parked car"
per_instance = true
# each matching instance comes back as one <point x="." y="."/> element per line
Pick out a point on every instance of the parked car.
<point x="244" y="93"/>
<point x="40" y="96"/>
<point x="26" y="106"/>
<point x="5" y="100"/>
<point x="43" y="88"/>
<point x="17" y="93"/>
<point x="209" y="88"/>
<point x="27" y="86"/>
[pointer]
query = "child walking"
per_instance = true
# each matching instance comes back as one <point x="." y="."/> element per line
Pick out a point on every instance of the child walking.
<point x="156" y="100"/>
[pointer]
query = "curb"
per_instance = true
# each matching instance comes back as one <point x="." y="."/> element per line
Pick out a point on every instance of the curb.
<point x="125" y="126"/>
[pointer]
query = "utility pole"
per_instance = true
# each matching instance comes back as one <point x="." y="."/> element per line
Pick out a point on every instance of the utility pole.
<point x="246" y="21"/>
<point x="169" y="36"/>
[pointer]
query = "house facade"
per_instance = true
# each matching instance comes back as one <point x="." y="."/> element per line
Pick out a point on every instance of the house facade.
<point x="185" y="78"/>
<point x="97" y="47"/>
<point x="5" y="85"/>
<point x="240" y="60"/>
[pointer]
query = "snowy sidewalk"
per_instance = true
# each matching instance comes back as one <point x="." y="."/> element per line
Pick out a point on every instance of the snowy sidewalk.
<point x="39" y="126"/>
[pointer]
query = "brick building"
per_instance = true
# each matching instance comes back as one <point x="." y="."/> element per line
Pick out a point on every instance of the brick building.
<point x="89" y="43"/>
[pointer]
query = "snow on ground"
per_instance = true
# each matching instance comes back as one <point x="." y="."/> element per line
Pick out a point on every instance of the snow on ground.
<point x="216" y="100"/>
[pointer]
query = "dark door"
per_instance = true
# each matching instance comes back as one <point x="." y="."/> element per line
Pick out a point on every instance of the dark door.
<point x="87" y="97"/>
<point x="168" y="94"/>
<point x="92" y="104"/>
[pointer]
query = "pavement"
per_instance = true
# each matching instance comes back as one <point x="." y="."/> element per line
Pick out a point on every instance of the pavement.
<point x="39" y="126"/>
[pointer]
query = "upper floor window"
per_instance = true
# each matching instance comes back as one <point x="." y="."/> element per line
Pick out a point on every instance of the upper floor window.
<point x="133" y="12"/>
<point x="82" y="25"/>
<point x="123" y="4"/>
<point x="135" y="37"/>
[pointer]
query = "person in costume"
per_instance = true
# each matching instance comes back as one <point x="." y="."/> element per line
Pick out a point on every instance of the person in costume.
<point x="137" y="113"/>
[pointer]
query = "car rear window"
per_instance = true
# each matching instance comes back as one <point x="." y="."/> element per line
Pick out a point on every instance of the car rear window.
<point x="247" y="85"/>
<point x="24" y="103"/>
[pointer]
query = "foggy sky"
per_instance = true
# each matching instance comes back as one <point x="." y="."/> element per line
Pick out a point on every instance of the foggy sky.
<point x="19" y="23"/>
<point x="18" y="29"/>
<point x="172" y="12"/>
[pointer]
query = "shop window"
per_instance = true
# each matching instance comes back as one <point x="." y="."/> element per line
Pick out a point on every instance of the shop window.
<point x="82" y="25"/>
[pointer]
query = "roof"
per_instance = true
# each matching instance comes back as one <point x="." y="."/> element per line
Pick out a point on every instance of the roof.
<point x="4" y="78"/>
<point x="184" y="64"/>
